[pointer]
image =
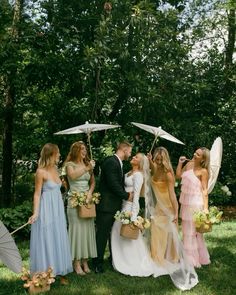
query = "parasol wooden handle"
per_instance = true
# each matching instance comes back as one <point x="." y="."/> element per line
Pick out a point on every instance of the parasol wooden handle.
<point x="19" y="228"/>
<point x="90" y="149"/>
<point x="153" y="143"/>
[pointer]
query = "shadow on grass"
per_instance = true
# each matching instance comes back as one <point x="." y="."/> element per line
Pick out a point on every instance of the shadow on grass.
<point x="108" y="283"/>
<point x="216" y="279"/>
<point x="219" y="276"/>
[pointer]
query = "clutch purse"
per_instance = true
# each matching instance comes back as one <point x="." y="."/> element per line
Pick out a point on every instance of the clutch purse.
<point x="87" y="211"/>
<point x="129" y="231"/>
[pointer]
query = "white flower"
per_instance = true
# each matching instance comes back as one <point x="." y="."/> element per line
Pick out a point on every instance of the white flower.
<point x="225" y="188"/>
<point x="125" y="221"/>
<point x="176" y="184"/>
<point x="229" y="193"/>
<point x="63" y="171"/>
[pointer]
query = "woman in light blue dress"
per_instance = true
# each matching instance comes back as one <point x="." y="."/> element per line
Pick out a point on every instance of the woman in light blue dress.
<point x="79" y="171"/>
<point x="49" y="244"/>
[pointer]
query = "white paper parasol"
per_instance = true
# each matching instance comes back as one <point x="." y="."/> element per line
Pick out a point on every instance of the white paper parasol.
<point x="158" y="132"/>
<point x="88" y="129"/>
<point x="215" y="162"/>
<point x="9" y="253"/>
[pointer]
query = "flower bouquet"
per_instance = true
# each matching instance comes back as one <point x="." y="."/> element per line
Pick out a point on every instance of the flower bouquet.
<point x="85" y="209"/>
<point x="39" y="282"/>
<point x="130" y="229"/>
<point x="142" y="223"/>
<point x="204" y="221"/>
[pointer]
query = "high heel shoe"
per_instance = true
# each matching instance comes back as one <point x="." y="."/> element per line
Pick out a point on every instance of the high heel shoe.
<point x="78" y="269"/>
<point x="87" y="270"/>
<point x="86" y="267"/>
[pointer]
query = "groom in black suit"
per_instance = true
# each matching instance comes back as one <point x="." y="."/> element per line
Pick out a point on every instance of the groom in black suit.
<point x="112" y="193"/>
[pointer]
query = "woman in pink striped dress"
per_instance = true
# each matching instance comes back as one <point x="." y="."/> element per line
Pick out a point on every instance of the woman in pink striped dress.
<point x="194" y="197"/>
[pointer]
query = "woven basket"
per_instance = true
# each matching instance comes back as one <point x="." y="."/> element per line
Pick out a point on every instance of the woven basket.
<point x="87" y="211"/>
<point x="129" y="231"/>
<point x="37" y="289"/>
<point x="204" y="228"/>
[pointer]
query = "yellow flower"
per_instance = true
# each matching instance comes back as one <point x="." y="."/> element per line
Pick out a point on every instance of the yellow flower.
<point x="147" y="224"/>
<point x="26" y="285"/>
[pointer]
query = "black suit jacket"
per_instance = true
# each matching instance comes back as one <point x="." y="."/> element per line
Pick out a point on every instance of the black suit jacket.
<point x="111" y="186"/>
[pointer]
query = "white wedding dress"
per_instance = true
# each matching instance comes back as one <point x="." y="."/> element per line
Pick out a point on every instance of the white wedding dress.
<point x="132" y="257"/>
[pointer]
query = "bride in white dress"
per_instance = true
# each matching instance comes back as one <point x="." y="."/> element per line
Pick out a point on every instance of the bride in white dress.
<point x="132" y="257"/>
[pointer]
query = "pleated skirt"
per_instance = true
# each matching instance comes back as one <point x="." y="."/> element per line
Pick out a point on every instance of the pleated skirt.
<point x="82" y="236"/>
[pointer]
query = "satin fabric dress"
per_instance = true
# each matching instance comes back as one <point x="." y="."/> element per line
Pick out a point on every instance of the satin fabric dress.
<point x="162" y="244"/>
<point x="166" y="247"/>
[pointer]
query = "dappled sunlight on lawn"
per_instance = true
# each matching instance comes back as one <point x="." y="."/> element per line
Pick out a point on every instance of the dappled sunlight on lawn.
<point x="214" y="279"/>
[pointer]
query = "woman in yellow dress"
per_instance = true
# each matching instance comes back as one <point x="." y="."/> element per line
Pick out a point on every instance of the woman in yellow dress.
<point x="161" y="205"/>
<point x="162" y="182"/>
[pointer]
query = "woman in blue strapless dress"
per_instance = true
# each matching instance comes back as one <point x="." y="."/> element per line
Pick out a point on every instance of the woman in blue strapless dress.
<point x="49" y="243"/>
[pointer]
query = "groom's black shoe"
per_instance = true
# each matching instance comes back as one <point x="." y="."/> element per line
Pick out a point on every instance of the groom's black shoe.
<point x="99" y="269"/>
<point x="110" y="260"/>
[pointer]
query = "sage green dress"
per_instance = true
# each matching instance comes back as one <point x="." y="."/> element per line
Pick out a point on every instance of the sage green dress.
<point x="81" y="230"/>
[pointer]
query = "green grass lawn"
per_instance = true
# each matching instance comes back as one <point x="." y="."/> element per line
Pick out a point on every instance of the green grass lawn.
<point x="216" y="279"/>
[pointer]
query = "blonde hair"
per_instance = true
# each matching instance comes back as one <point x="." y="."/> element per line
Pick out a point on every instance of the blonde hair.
<point x="75" y="151"/>
<point x="144" y="168"/>
<point x="205" y="163"/>
<point x="165" y="159"/>
<point x="46" y="155"/>
<point x="142" y="161"/>
<point x="123" y="145"/>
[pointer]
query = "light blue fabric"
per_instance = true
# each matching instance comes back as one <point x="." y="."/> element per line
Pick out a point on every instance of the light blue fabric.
<point x="49" y="243"/>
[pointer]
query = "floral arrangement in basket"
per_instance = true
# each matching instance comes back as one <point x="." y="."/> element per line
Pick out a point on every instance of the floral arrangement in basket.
<point x="142" y="223"/>
<point x="130" y="228"/>
<point x="80" y="199"/>
<point x="39" y="282"/>
<point x="125" y="218"/>
<point x="203" y="221"/>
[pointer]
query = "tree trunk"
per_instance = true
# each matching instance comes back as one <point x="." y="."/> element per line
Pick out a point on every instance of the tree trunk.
<point x="9" y="93"/>
<point x="7" y="148"/>
<point x="231" y="38"/>
<point x="229" y="51"/>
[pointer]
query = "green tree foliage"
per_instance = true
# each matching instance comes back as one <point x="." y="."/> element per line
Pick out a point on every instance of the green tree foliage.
<point x="161" y="63"/>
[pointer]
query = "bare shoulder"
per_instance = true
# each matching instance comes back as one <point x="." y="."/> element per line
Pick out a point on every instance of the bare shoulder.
<point x="204" y="172"/>
<point x="40" y="173"/>
<point x="189" y="165"/>
<point x="170" y="177"/>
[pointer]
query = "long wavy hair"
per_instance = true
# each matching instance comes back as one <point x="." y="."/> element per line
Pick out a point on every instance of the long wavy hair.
<point x="47" y="155"/>
<point x="145" y="169"/>
<point x="75" y="151"/>
<point x="165" y="159"/>
<point x="142" y="161"/>
<point x="205" y="163"/>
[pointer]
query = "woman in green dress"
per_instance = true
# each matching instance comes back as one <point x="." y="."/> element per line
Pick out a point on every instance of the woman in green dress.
<point x="79" y="171"/>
